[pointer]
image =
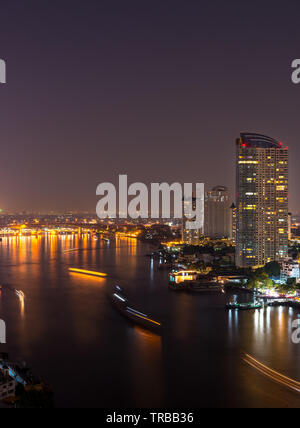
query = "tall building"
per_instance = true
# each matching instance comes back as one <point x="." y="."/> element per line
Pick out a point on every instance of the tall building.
<point x="290" y="226"/>
<point x="217" y="213"/>
<point x="190" y="236"/>
<point x="233" y="224"/>
<point x="262" y="200"/>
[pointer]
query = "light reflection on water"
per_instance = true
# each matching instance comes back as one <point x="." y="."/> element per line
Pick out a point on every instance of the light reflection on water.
<point x="147" y="358"/>
<point x="70" y="334"/>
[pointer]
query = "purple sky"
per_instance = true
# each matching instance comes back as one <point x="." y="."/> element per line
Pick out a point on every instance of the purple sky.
<point x="156" y="89"/>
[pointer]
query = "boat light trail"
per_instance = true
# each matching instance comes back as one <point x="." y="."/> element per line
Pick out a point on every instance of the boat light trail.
<point x="88" y="272"/>
<point x="119" y="297"/>
<point x="145" y="318"/>
<point x="20" y="294"/>
<point x="272" y="374"/>
<point x="137" y="312"/>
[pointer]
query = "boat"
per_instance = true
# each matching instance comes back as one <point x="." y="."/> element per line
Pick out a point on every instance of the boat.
<point x="125" y="307"/>
<point x="244" y="306"/>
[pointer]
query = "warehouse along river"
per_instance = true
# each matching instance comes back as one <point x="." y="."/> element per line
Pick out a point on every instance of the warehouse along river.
<point x="68" y="332"/>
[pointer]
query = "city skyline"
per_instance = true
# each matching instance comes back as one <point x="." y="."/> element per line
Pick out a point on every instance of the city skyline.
<point x="149" y="207"/>
<point x="64" y="210"/>
<point x="96" y="93"/>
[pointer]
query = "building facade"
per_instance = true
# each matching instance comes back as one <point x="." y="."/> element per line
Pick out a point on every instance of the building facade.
<point x="191" y="236"/>
<point x="7" y="384"/>
<point x="291" y="269"/>
<point x="233" y="224"/>
<point x="290" y="226"/>
<point x="262" y="200"/>
<point x="217" y="213"/>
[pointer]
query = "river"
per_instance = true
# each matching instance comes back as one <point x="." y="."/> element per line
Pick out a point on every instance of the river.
<point x="69" y="334"/>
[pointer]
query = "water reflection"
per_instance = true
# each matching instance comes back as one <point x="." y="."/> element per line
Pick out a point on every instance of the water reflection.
<point x="22" y="305"/>
<point x="233" y="323"/>
<point x="68" y="331"/>
<point x="152" y="269"/>
<point x="146" y="367"/>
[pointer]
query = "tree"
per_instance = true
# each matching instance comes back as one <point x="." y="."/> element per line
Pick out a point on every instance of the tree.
<point x="273" y="269"/>
<point x="252" y="283"/>
<point x="260" y="279"/>
<point x="292" y="283"/>
<point x="289" y="287"/>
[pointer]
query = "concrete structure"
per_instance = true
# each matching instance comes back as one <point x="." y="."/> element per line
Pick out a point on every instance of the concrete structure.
<point x="217" y="213"/>
<point x="291" y="269"/>
<point x="262" y="200"/>
<point x="7" y="384"/>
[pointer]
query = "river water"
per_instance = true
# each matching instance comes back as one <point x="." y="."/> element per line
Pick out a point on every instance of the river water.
<point x="69" y="334"/>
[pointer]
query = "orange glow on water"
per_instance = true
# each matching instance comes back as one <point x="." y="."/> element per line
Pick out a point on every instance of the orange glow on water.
<point x="88" y="272"/>
<point x="147" y="319"/>
<point x="22" y="305"/>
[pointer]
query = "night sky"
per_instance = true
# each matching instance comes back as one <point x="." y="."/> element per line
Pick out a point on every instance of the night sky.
<point x="157" y="89"/>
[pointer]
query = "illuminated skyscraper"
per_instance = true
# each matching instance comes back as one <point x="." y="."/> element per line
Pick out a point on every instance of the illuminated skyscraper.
<point x="262" y="200"/>
<point x="217" y="213"/>
<point x="290" y="226"/>
<point x="233" y="224"/>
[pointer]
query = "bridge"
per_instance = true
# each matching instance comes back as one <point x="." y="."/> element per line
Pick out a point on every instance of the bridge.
<point x="65" y="227"/>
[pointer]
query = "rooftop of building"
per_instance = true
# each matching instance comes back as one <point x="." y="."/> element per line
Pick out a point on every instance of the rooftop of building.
<point x="260" y="141"/>
<point x="219" y="189"/>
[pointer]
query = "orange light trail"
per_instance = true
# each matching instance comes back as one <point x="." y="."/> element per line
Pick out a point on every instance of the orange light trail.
<point x="147" y="319"/>
<point x="88" y="272"/>
<point x="272" y="374"/>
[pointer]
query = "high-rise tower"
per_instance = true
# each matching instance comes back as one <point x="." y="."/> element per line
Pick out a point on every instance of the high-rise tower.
<point x="217" y="213"/>
<point x="262" y="200"/>
<point x="233" y="224"/>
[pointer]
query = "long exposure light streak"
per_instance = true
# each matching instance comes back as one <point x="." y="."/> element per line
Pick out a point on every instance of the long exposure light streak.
<point x="272" y="374"/>
<point x="88" y="272"/>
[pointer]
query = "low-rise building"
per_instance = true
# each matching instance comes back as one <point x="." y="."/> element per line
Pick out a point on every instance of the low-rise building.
<point x="291" y="269"/>
<point x="7" y="384"/>
<point x="182" y="276"/>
